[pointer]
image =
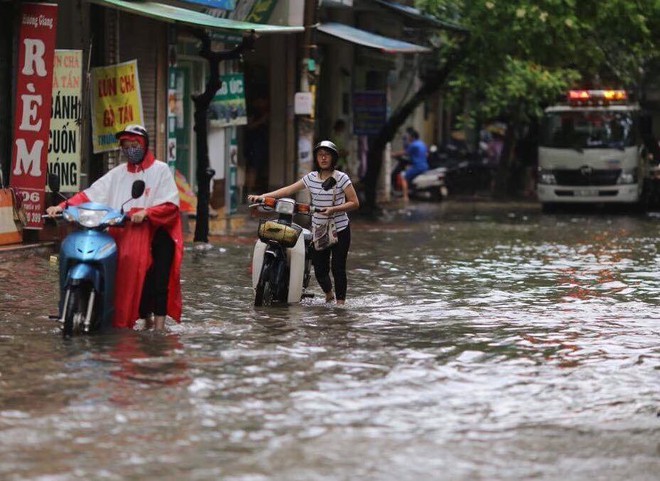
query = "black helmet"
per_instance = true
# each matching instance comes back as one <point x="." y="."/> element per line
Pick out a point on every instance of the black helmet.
<point x="326" y="144"/>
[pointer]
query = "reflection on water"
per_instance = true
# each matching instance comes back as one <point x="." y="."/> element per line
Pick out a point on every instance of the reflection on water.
<point x="474" y="345"/>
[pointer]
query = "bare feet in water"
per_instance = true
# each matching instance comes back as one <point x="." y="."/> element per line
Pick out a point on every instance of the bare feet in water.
<point x="157" y="323"/>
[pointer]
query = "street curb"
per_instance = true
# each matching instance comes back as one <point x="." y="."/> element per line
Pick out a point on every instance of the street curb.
<point x="22" y="250"/>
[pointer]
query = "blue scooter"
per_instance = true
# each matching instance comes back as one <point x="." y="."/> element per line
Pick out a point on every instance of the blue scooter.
<point x="88" y="264"/>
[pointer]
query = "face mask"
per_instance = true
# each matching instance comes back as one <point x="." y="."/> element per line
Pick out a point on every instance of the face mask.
<point x="134" y="154"/>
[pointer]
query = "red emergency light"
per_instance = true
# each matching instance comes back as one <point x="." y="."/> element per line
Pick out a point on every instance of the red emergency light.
<point x="596" y="97"/>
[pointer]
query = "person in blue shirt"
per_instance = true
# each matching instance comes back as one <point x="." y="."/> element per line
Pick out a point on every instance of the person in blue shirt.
<point x="418" y="154"/>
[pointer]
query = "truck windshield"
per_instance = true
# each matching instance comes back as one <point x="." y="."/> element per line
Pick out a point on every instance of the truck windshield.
<point x="587" y="130"/>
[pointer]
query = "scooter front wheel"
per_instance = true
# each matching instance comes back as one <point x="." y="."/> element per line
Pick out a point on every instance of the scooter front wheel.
<point x="76" y="310"/>
<point x="264" y="294"/>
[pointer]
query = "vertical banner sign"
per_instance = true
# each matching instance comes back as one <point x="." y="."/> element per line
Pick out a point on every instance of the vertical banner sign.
<point x="34" y="85"/>
<point x="116" y="103"/>
<point x="65" y="120"/>
<point x="171" y="117"/>
<point x="232" y="175"/>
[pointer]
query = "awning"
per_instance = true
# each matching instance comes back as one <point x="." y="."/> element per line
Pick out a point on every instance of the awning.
<point x="171" y="14"/>
<point x="368" y="39"/>
<point x="419" y="16"/>
<point x="223" y="4"/>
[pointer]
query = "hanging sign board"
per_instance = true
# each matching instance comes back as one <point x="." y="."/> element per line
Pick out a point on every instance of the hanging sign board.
<point x="303" y="103"/>
<point x="65" y="119"/>
<point x="116" y="103"/>
<point x="34" y="85"/>
<point x="370" y="112"/>
<point x="228" y="105"/>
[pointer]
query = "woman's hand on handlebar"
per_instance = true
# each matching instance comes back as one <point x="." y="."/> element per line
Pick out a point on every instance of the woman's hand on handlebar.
<point x="139" y="216"/>
<point x="254" y="199"/>
<point x="54" y="210"/>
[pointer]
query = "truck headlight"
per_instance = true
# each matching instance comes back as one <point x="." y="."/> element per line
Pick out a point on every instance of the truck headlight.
<point x="627" y="177"/>
<point x="546" y="177"/>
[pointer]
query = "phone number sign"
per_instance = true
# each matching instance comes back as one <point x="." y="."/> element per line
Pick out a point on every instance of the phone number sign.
<point x="34" y="85"/>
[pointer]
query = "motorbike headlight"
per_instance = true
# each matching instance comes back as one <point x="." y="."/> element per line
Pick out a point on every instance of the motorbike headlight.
<point x="285" y="206"/>
<point x="627" y="177"/>
<point x="547" y="177"/>
<point x="91" y="218"/>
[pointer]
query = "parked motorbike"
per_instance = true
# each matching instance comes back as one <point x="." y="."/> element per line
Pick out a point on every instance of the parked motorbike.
<point x="466" y="173"/>
<point x="281" y="261"/>
<point x="429" y="185"/>
<point x="87" y="264"/>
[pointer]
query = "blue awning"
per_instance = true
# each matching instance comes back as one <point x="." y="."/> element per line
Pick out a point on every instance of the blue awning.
<point x="221" y="4"/>
<point x="421" y="17"/>
<point x="172" y="14"/>
<point x="368" y="39"/>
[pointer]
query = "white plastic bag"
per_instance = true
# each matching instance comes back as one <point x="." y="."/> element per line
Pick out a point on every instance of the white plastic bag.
<point x="324" y="235"/>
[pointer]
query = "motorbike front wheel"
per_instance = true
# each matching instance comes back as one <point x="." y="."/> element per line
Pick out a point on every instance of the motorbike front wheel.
<point x="264" y="294"/>
<point x="76" y="309"/>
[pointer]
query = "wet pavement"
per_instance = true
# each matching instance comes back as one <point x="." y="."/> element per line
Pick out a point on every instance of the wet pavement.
<point x="479" y="341"/>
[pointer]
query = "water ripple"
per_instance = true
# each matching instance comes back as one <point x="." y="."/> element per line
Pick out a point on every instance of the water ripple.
<point x="495" y="346"/>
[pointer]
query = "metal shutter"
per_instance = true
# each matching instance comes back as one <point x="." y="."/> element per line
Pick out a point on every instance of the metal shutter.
<point x="142" y="38"/>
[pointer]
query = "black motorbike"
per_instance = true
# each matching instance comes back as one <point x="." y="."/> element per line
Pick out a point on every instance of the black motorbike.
<point x="466" y="173"/>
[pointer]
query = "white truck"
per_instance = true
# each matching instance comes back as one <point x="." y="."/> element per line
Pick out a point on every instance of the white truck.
<point x="590" y="151"/>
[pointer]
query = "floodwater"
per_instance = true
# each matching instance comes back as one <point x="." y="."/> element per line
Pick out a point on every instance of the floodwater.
<point x="476" y="344"/>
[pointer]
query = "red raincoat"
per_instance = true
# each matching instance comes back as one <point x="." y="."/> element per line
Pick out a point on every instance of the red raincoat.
<point x="134" y="246"/>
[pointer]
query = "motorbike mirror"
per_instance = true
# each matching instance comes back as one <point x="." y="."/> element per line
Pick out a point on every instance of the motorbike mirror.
<point x="329" y="183"/>
<point x="54" y="183"/>
<point x="137" y="189"/>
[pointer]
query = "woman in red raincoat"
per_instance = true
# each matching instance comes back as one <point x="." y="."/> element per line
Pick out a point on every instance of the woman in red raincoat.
<point x="150" y="250"/>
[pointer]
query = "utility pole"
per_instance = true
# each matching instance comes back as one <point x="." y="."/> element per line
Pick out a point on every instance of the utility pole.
<point x="305" y="124"/>
<point x="202" y="102"/>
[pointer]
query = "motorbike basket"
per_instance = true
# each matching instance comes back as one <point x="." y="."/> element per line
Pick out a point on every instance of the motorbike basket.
<point x="287" y="235"/>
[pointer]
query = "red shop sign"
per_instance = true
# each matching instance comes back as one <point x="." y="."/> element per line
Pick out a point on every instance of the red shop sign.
<point x="34" y="86"/>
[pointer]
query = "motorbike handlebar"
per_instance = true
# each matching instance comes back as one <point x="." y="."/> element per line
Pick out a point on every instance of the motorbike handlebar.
<point x="60" y="215"/>
<point x="269" y="204"/>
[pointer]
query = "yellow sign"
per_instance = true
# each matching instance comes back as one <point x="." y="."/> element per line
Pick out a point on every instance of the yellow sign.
<point x="66" y="116"/>
<point x="116" y="103"/>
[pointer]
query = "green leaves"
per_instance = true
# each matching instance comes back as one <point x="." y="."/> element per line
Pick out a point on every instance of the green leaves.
<point x="522" y="54"/>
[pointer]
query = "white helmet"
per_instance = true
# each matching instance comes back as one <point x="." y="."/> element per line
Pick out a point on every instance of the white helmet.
<point x="328" y="145"/>
<point x="134" y="129"/>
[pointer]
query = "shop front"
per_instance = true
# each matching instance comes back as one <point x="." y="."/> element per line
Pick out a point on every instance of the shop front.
<point x="157" y="40"/>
